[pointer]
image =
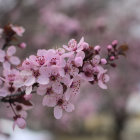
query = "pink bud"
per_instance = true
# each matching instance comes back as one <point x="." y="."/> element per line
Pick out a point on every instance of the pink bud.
<point x="103" y="61"/>
<point x="115" y="42"/>
<point x="20" y="122"/>
<point x="109" y="47"/>
<point x="97" y="48"/>
<point x="22" y="45"/>
<point x="112" y="58"/>
<point x="78" y="61"/>
<point x="28" y="97"/>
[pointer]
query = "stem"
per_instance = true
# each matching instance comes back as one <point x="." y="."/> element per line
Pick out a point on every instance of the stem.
<point x="12" y="108"/>
<point x="5" y="45"/>
<point x="10" y="98"/>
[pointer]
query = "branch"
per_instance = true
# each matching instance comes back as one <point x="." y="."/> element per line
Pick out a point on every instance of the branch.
<point x="12" y="97"/>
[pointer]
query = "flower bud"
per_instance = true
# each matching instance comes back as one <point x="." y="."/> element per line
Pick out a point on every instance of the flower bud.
<point x="109" y="47"/>
<point x="97" y="48"/>
<point x="103" y="61"/>
<point x="23" y="45"/>
<point x="112" y="58"/>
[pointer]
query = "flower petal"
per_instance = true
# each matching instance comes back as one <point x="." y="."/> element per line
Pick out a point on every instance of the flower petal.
<point x="14" y="60"/>
<point x="30" y="81"/>
<point x="69" y="107"/>
<point x="58" y="112"/>
<point x="101" y="84"/>
<point x="49" y="101"/>
<point x="42" y="79"/>
<point x="11" y="50"/>
<point x="28" y="90"/>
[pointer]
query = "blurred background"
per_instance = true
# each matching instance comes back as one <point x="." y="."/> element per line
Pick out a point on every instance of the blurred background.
<point x="112" y="114"/>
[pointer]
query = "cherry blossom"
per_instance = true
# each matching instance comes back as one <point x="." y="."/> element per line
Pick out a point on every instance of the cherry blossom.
<point x="7" y="57"/>
<point x="55" y="74"/>
<point x="20" y="122"/>
<point x="19" y="30"/>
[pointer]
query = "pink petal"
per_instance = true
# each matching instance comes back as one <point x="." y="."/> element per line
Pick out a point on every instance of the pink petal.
<point x="11" y="50"/>
<point x="24" y="113"/>
<point x="19" y="83"/>
<point x="3" y="92"/>
<point x="96" y="60"/>
<point x="28" y="97"/>
<point x="58" y="112"/>
<point x="42" y="52"/>
<point x="43" y="79"/>
<point x="49" y="101"/>
<point x="41" y="91"/>
<point x="6" y="65"/>
<point x="80" y="54"/>
<point x="69" y="107"/>
<point x="101" y="84"/>
<point x="84" y="77"/>
<point x="78" y="61"/>
<point x="2" y="55"/>
<point x="106" y="78"/>
<point x="30" y="81"/>
<point x="57" y="87"/>
<point x="28" y="90"/>
<point x="81" y="40"/>
<point x="67" y="94"/>
<point x="21" y="123"/>
<point x="14" y="60"/>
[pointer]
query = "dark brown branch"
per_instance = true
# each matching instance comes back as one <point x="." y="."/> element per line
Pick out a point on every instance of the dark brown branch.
<point x="12" y="97"/>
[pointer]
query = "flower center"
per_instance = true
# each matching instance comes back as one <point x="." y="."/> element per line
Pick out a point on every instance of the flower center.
<point x="60" y="102"/>
<point x="36" y="73"/>
<point x="52" y="78"/>
<point x="11" y="89"/>
<point x="41" y="60"/>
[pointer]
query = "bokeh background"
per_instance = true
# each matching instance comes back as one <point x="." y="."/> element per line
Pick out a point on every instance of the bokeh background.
<point x="112" y="114"/>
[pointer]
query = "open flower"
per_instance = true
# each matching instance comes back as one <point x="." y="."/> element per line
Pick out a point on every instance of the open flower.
<point x="19" y="30"/>
<point x="103" y="78"/>
<point x="8" y="57"/>
<point x="62" y="104"/>
<point x="87" y="73"/>
<point x="25" y="79"/>
<point x="74" y="46"/>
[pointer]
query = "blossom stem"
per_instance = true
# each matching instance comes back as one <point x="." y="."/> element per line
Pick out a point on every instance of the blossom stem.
<point x="10" y="98"/>
<point x="12" y="108"/>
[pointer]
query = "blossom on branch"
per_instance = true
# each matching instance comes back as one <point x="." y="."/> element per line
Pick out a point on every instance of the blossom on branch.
<point x="55" y="74"/>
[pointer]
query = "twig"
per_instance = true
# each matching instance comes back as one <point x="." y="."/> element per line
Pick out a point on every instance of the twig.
<point x="11" y="97"/>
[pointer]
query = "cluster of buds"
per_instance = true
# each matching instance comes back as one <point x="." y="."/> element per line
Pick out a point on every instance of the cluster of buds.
<point x="55" y="74"/>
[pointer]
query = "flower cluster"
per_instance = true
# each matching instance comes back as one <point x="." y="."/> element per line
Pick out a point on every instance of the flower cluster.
<point x="55" y="74"/>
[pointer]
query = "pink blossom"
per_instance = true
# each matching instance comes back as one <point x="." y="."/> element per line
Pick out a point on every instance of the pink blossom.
<point x="96" y="60"/>
<point x="103" y="78"/>
<point x="20" y="122"/>
<point x="7" y="57"/>
<point x="23" y="45"/>
<point x="55" y="74"/>
<point x="87" y="73"/>
<point x="74" y="46"/>
<point x="9" y="78"/>
<point x="74" y="88"/>
<point x="109" y="47"/>
<point x="62" y="104"/>
<point x="19" y="30"/>
<point x="97" y="48"/>
<point x="103" y="61"/>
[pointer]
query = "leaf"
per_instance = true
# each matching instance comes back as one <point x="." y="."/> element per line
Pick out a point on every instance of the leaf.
<point x="123" y="48"/>
<point x="23" y="101"/>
